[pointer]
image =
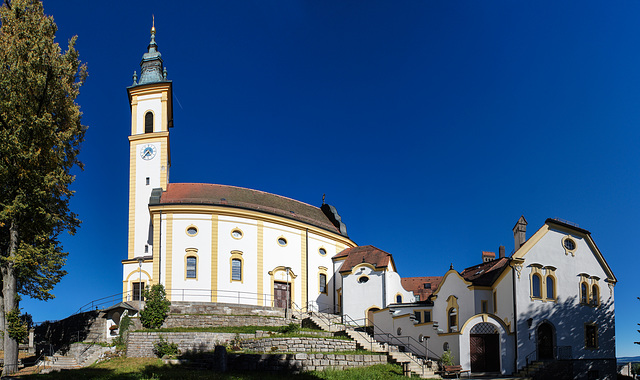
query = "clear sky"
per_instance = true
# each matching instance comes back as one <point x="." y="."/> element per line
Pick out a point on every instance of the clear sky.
<point x="431" y="125"/>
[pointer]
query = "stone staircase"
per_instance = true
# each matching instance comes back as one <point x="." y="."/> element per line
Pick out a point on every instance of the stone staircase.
<point x="59" y="362"/>
<point x="332" y="323"/>
<point x="531" y="369"/>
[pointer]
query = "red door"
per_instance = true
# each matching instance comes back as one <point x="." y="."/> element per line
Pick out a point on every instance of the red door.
<point x="281" y="294"/>
<point x="485" y="351"/>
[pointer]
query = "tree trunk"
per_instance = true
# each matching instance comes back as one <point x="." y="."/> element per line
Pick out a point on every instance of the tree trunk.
<point x="9" y="288"/>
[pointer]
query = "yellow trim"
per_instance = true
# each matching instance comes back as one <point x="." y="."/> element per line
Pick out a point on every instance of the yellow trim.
<point x="326" y="279"/>
<point x="250" y="214"/>
<point x="366" y="314"/>
<point x="450" y="272"/>
<point x="144" y="286"/>
<point x="339" y="294"/>
<point x="551" y="273"/>
<point x="214" y="258"/>
<point x="132" y="199"/>
<point x="186" y="230"/>
<point x="135" y="261"/>
<point x="533" y="240"/>
<point x="156" y="248"/>
<point x="134" y="115"/>
<point x="385" y="309"/>
<point x="260" y="263"/>
<point x="155" y="137"/>
<point x="236" y="255"/>
<point x="476" y="287"/>
<point x="303" y="268"/>
<point x="485" y="318"/>
<point x="325" y="251"/>
<point x="286" y="242"/>
<point x="495" y="301"/>
<point x="168" y="269"/>
<point x="568" y="251"/>
<point x="452" y="303"/>
<point x="585" y="336"/>
<point x="424" y="324"/>
<point x="536" y="272"/>
<point x="595" y="284"/>
<point x="395" y="298"/>
<point x="234" y="230"/>
<point x="584" y="279"/>
<point x="164" y="123"/>
<point x="191" y="252"/>
<point x="153" y="122"/>
<point x="137" y="272"/>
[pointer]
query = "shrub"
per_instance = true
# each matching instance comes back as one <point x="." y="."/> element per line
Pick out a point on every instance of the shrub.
<point x="156" y="307"/>
<point x="121" y="340"/>
<point x="447" y="358"/>
<point x="291" y="328"/>
<point x="16" y="327"/>
<point x="162" y="348"/>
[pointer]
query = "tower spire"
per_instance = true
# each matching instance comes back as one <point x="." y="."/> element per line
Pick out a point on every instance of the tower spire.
<point x="151" y="67"/>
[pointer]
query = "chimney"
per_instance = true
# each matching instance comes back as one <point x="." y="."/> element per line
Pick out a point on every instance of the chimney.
<point x="488" y="256"/>
<point x="519" y="233"/>
<point x="501" y="251"/>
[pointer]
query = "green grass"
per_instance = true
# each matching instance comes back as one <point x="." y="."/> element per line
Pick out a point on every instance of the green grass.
<point x="154" y="369"/>
<point x="224" y="329"/>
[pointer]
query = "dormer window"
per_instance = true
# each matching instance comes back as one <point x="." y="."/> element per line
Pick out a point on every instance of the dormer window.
<point x="148" y="122"/>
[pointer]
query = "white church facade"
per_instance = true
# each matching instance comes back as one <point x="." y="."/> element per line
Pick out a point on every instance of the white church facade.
<point x="552" y="298"/>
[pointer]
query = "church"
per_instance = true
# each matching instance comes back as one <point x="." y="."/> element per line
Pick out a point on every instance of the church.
<point x="552" y="299"/>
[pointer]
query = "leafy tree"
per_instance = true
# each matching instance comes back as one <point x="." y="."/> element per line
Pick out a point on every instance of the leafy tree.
<point x="40" y="137"/>
<point x="156" y="307"/>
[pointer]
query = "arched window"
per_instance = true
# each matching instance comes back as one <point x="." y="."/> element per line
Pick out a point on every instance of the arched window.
<point x="551" y="288"/>
<point x="595" y="295"/>
<point x="192" y="267"/>
<point x="584" y="293"/>
<point x="535" y="286"/>
<point x="453" y="320"/>
<point x="323" y="283"/>
<point x="399" y="298"/>
<point x="236" y="270"/>
<point x="148" y="122"/>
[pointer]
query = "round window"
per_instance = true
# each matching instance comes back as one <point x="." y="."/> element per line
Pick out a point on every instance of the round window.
<point x="569" y="244"/>
<point x="445" y="346"/>
<point x="322" y="251"/>
<point x="399" y="331"/>
<point x="282" y="241"/>
<point x="192" y="231"/>
<point x="363" y="279"/>
<point x="236" y="234"/>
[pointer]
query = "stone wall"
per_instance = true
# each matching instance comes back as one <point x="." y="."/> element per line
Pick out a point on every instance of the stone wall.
<point x="140" y="344"/>
<point x="299" y="345"/>
<point x="300" y="362"/>
<point x="178" y="307"/>
<point x="208" y="320"/>
<point x="84" y="327"/>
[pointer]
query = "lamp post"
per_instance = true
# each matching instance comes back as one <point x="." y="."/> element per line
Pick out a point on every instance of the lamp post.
<point x="140" y="260"/>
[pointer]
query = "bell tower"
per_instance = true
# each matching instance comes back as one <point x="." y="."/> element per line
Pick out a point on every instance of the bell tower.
<point x="149" y="158"/>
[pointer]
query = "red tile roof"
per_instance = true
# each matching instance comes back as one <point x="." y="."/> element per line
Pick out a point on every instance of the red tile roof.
<point x="364" y="254"/>
<point x="417" y="285"/>
<point x="240" y="197"/>
<point x="485" y="274"/>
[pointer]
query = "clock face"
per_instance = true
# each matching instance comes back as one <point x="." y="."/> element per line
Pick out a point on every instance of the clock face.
<point x="148" y="151"/>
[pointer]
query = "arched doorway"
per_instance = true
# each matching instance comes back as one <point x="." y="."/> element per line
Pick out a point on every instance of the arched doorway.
<point x="370" y="315"/>
<point x="484" y="348"/>
<point x="545" y="341"/>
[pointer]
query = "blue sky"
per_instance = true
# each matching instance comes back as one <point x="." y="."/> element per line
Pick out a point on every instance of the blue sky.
<point x="430" y="125"/>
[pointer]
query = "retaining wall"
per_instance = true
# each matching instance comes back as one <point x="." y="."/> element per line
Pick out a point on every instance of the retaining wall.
<point x="299" y="345"/>
<point x="178" y="307"/>
<point x="206" y="320"/>
<point x="140" y="344"/>
<point x="300" y="362"/>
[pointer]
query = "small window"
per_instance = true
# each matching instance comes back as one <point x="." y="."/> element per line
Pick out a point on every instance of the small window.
<point x="420" y="338"/>
<point x="322" y="251"/>
<point x="595" y="295"/>
<point x="584" y="293"/>
<point x="535" y="286"/>
<point x="147" y="181"/>
<point x="453" y="320"/>
<point x="236" y="234"/>
<point x="427" y="316"/>
<point x="569" y="244"/>
<point x="137" y="289"/>
<point x="495" y="302"/>
<point x="445" y="346"/>
<point x="485" y="306"/>
<point x="399" y="298"/>
<point x="551" y="289"/>
<point x="282" y="241"/>
<point x="192" y="267"/>
<point x="417" y="297"/>
<point x="427" y="285"/>
<point x="591" y="336"/>
<point x="192" y="230"/>
<point x="323" y="283"/>
<point x="146" y="248"/>
<point x="236" y="270"/>
<point x="399" y="331"/>
<point x="418" y="316"/>
<point x="148" y="122"/>
<point x="363" y="280"/>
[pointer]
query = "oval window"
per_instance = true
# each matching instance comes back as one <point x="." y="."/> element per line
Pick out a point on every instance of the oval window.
<point x="399" y="331"/>
<point x="192" y="231"/>
<point x="363" y="280"/>
<point x="236" y="234"/>
<point x="322" y="251"/>
<point x="445" y="346"/>
<point x="282" y="241"/>
<point x="569" y="244"/>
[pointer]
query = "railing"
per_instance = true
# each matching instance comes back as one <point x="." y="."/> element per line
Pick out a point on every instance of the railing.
<point x="104" y="301"/>
<point x="532" y="357"/>
<point x="559" y="353"/>
<point x="407" y="342"/>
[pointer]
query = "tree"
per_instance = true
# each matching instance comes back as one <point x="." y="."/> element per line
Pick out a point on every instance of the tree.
<point x="156" y="307"/>
<point x="40" y="137"/>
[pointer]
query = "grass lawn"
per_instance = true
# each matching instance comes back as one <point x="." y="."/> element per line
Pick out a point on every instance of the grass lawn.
<point x="151" y="368"/>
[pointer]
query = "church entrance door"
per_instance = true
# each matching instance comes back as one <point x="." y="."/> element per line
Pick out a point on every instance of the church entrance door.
<point x="545" y="341"/>
<point x="484" y="343"/>
<point x="282" y="294"/>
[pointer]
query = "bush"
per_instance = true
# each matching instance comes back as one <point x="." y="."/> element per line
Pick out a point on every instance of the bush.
<point x="156" y="307"/>
<point x="291" y="328"/>
<point x="162" y="348"/>
<point x="447" y="358"/>
<point x="123" y="330"/>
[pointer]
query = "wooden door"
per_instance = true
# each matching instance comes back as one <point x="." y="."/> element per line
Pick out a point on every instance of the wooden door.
<point x="281" y="294"/>
<point x="545" y="342"/>
<point x="485" y="352"/>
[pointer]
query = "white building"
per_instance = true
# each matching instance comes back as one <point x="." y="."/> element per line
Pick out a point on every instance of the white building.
<point x="552" y="300"/>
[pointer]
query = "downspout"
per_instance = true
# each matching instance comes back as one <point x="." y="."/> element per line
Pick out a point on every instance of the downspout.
<point x="515" y="315"/>
<point x="384" y="288"/>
